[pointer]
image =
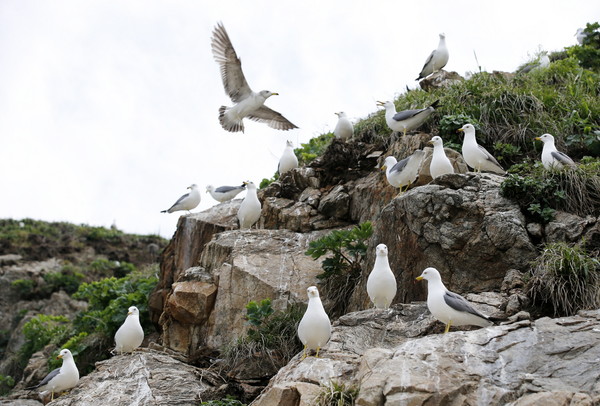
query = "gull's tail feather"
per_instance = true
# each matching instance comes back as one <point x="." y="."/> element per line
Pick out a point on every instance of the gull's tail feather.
<point x="227" y="123"/>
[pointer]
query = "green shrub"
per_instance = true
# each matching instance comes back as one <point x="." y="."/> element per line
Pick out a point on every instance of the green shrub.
<point x="6" y="384"/>
<point x="337" y="394"/>
<point x="345" y="250"/>
<point x="68" y="279"/>
<point x="566" y="278"/>
<point x="227" y="401"/>
<point x="24" y="287"/>
<point x="313" y="148"/>
<point x="588" y="53"/>
<point x="42" y="330"/>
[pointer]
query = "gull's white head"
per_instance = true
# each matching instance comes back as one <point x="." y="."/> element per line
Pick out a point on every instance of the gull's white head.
<point x="430" y="274"/>
<point x="193" y="186"/>
<point x="249" y="185"/>
<point x="312" y="292"/>
<point x="387" y="104"/>
<point x="133" y="311"/>
<point x="468" y="129"/>
<point x="340" y="114"/>
<point x="437" y="141"/>
<point x="266" y="94"/>
<point x="546" y="138"/>
<point x="388" y="162"/>
<point x="65" y="354"/>
<point x="381" y="250"/>
<point x="289" y="144"/>
<point x="442" y="35"/>
<point x="210" y="188"/>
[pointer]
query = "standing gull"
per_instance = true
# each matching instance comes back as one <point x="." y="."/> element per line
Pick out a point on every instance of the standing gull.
<point x="440" y="164"/>
<point x="448" y="307"/>
<point x="224" y="193"/>
<point x="403" y="173"/>
<point x="131" y="334"/>
<point x="187" y="202"/>
<point x="288" y="160"/>
<point x="475" y="155"/>
<point x="249" y="211"/>
<point x="436" y="60"/>
<point x="551" y="157"/>
<point x="314" y="329"/>
<point x="247" y="103"/>
<point x="406" y="120"/>
<point x="63" y="378"/>
<point x="381" y="285"/>
<point x="343" y="129"/>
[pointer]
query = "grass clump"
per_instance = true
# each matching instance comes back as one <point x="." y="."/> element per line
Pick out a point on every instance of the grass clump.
<point x="566" y="278"/>
<point x="226" y="401"/>
<point x="6" y="384"/>
<point x="337" y="394"/>
<point x="345" y="250"/>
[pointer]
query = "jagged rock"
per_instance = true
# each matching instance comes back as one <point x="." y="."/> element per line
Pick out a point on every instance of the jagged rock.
<point x="568" y="227"/>
<point x="20" y="402"/>
<point x="245" y="265"/>
<point x="10" y="259"/>
<point x="142" y="378"/>
<point x="518" y="362"/>
<point x="336" y="203"/>
<point x="440" y="79"/>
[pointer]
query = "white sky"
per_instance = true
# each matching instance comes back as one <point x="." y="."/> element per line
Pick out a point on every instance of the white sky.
<point x="108" y="109"/>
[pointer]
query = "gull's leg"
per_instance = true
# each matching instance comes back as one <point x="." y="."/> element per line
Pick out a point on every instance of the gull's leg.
<point x="303" y="354"/>
<point x="317" y="355"/>
<point x="447" y="327"/>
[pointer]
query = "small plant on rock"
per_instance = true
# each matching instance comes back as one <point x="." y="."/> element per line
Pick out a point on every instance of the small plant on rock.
<point x="226" y="401"/>
<point x="337" y="394"/>
<point x="345" y="250"/>
<point x="566" y="278"/>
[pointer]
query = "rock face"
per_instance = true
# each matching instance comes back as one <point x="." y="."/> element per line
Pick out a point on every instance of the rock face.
<point x="522" y="362"/>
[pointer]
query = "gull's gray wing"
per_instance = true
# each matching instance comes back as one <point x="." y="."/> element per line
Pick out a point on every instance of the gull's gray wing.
<point x="48" y="378"/>
<point x="427" y="62"/>
<point x="182" y="198"/>
<point x="400" y="165"/>
<point x="272" y="118"/>
<point x="406" y="114"/>
<point x="459" y="303"/>
<point x="225" y="189"/>
<point x="489" y="156"/>
<point x="232" y="75"/>
<point x="562" y="158"/>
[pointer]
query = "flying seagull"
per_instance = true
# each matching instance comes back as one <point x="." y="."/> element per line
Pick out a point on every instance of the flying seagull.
<point x="449" y="307"/>
<point x="187" y="202"/>
<point x="436" y="60"/>
<point x="403" y="173"/>
<point x="475" y="155"/>
<point x="551" y="157"/>
<point x="343" y="129"/>
<point x="314" y="329"/>
<point x="406" y="120"/>
<point x="440" y="164"/>
<point x="224" y="193"/>
<point x="63" y="378"/>
<point x="247" y="103"/>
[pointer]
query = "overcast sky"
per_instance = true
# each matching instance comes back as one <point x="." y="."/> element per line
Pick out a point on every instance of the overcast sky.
<point x="109" y="109"/>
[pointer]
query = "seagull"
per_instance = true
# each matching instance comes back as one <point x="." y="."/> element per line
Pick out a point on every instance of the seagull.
<point x="247" y="103"/>
<point x="187" y="202"/>
<point x="551" y="157"/>
<point x="343" y="129"/>
<point x="131" y="334"/>
<point x="448" y="307"/>
<point x="436" y="60"/>
<point x="314" y="329"/>
<point x="288" y="160"/>
<point x="542" y="61"/>
<point x="403" y="173"/>
<point x="580" y="34"/>
<point x="224" y="193"/>
<point x="475" y="155"/>
<point x="381" y="284"/>
<point x="440" y="164"/>
<point x="249" y="211"/>
<point x="406" y="120"/>
<point x="61" y="379"/>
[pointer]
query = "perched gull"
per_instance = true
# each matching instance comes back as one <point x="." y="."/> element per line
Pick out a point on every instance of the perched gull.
<point x="403" y="173"/>
<point x="314" y="329"/>
<point x="542" y="61"/>
<point x="406" y="120"/>
<point x="249" y="211"/>
<point x="186" y="202"/>
<point x="440" y="164"/>
<point x="63" y="378"/>
<point x="381" y="285"/>
<point x="131" y="334"/>
<point x="224" y="193"/>
<point x="475" y="155"/>
<point x="288" y="160"/>
<point x="551" y="157"/>
<point x="436" y="60"/>
<point x="448" y="307"/>
<point x="343" y="129"/>
<point x="581" y="35"/>
<point x="247" y="103"/>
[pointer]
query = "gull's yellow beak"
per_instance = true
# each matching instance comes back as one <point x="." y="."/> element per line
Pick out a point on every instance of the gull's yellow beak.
<point x="460" y="130"/>
<point x="380" y="103"/>
<point x="419" y="278"/>
<point x="274" y="94"/>
<point x="128" y="313"/>
<point x="383" y="168"/>
<point x="59" y="356"/>
<point x="430" y="142"/>
<point x="538" y="138"/>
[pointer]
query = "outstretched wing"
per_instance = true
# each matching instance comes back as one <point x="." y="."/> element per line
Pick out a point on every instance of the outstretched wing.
<point x="232" y="75"/>
<point x="272" y="118"/>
